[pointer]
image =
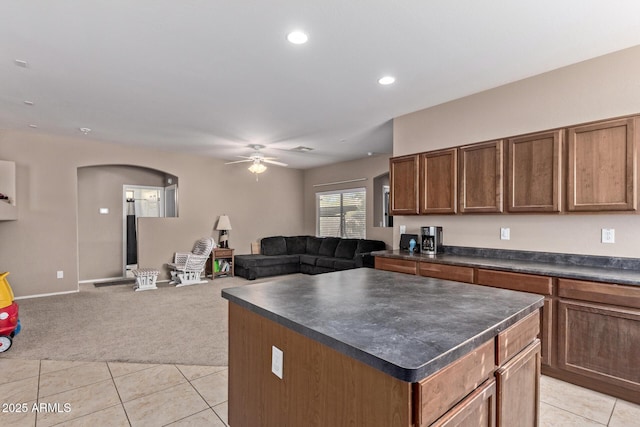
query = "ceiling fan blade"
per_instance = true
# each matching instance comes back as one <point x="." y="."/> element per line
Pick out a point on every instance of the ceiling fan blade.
<point x="239" y="161"/>
<point x="274" y="163"/>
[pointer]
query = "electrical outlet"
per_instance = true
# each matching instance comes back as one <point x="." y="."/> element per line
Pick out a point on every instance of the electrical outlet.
<point x="608" y="235"/>
<point x="505" y="233"/>
<point x="403" y="229"/>
<point x="277" y="361"/>
<point x="104" y="211"/>
<point x="60" y="274"/>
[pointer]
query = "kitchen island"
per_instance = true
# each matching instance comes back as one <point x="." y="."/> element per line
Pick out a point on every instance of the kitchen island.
<point x="369" y="347"/>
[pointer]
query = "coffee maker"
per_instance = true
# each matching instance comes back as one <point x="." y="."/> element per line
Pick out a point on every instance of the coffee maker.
<point x="431" y="240"/>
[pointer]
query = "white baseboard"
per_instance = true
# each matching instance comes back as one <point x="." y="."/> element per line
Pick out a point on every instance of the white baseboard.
<point x="48" y="295"/>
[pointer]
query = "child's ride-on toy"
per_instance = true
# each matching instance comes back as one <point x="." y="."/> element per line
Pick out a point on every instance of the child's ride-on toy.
<point x="9" y="322"/>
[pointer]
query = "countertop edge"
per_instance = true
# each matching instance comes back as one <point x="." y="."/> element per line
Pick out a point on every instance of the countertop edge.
<point x="407" y="374"/>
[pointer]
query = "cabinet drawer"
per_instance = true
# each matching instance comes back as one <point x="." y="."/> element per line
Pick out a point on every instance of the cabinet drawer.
<point x="542" y="285"/>
<point x="397" y="265"/>
<point x="435" y="395"/>
<point x="512" y="340"/>
<point x="221" y="253"/>
<point x="477" y="409"/>
<point x="626" y="296"/>
<point x="447" y="272"/>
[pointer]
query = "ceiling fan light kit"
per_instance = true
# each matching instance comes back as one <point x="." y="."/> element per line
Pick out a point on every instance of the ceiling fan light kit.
<point x="258" y="160"/>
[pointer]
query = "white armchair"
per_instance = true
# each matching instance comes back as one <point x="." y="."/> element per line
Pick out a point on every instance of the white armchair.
<point x="188" y="266"/>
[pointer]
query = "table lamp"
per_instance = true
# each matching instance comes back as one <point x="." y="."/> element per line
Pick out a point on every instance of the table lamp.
<point x="224" y="225"/>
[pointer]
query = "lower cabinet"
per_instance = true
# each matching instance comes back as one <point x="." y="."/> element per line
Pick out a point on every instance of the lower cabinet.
<point x="599" y="335"/>
<point x="446" y="272"/>
<point x="476" y="410"/>
<point x="542" y="285"/>
<point x="519" y="389"/>
<point x="396" y="265"/>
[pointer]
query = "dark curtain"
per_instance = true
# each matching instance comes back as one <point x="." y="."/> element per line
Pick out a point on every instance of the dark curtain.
<point x="132" y="243"/>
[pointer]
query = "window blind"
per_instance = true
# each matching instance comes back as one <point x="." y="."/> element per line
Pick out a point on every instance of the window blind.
<point x="342" y="213"/>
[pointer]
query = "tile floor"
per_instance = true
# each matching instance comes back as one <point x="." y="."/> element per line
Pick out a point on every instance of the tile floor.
<point x="47" y="393"/>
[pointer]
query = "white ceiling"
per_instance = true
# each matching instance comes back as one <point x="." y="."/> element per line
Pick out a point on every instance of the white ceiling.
<point x="210" y="77"/>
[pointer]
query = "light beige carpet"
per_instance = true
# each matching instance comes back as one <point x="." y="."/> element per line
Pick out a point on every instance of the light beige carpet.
<point x="187" y="325"/>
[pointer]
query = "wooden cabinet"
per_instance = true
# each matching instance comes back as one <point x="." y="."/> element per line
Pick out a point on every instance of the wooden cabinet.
<point x="221" y="254"/>
<point x="600" y="340"/>
<point x="480" y="177"/>
<point x="403" y="180"/>
<point x="438" y="182"/>
<point x="602" y="166"/>
<point x="476" y="410"/>
<point x="518" y="389"/>
<point x="396" y="265"/>
<point x="542" y="285"/>
<point x="446" y="272"/>
<point x="533" y="172"/>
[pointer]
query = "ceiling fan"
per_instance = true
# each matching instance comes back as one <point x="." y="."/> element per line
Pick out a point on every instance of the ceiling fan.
<point x="258" y="160"/>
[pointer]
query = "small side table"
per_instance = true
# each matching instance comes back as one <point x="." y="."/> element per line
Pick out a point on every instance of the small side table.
<point x="221" y="254"/>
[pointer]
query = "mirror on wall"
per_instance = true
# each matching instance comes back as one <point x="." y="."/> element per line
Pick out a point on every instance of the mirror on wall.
<point x="381" y="213"/>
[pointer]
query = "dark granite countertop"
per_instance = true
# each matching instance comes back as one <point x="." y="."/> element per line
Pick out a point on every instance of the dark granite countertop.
<point x="598" y="269"/>
<point x="406" y="326"/>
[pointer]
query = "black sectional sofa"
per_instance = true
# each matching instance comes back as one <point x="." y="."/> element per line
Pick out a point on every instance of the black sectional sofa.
<point x="306" y="254"/>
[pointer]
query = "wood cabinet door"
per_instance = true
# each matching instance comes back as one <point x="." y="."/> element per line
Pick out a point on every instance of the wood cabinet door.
<point x="403" y="179"/>
<point x="396" y="265"/>
<point x="533" y="172"/>
<point x="439" y="182"/>
<point x="446" y="272"/>
<point x="480" y="177"/>
<point x="476" y="410"/>
<point x="600" y="342"/>
<point x="518" y="384"/>
<point x="602" y="166"/>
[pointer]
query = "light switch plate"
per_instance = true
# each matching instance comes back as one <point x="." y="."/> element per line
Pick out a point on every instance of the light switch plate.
<point x="277" y="361"/>
<point x="505" y="233"/>
<point x="403" y="229"/>
<point x="104" y="211"/>
<point x="608" y="235"/>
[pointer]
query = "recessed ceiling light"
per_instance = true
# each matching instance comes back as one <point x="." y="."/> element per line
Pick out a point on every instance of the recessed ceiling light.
<point x="386" y="80"/>
<point x="297" y="37"/>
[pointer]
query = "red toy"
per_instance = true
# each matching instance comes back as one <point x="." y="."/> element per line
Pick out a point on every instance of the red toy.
<point x="9" y="321"/>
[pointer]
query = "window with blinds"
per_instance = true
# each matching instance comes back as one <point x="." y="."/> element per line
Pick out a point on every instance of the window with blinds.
<point x="341" y="214"/>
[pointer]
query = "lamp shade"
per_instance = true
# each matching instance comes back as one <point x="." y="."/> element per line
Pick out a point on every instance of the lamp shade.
<point x="223" y="223"/>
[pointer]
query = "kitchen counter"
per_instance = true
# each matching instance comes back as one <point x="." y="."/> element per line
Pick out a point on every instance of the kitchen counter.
<point x="597" y="269"/>
<point x="405" y="326"/>
<point x="376" y="348"/>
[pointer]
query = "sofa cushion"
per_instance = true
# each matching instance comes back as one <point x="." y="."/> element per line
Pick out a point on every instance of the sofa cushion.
<point x="249" y="261"/>
<point x="346" y="248"/>
<point x="276" y="245"/>
<point x="308" y="259"/>
<point x="313" y="245"/>
<point x="344" y="264"/>
<point x="296" y="244"/>
<point x="326" y="262"/>
<point x="328" y="246"/>
<point x="366" y="246"/>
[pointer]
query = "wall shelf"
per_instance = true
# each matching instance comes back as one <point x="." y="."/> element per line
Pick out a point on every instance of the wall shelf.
<point x="8" y="209"/>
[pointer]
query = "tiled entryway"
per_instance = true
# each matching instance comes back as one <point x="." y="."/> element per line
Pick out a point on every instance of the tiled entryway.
<point x="46" y="393"/>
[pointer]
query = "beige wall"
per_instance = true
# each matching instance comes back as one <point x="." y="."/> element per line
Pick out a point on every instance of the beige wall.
<point x="368" y="168"/>
<point x="601" y="88"/>
<point x="44" y="239"/>
<point x="100" y="236"/>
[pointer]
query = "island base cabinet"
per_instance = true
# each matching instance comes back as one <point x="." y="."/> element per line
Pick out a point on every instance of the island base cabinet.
<point x="601" y="342"/>
<point x="319" y="386"/>
<point x="518" y="389"/>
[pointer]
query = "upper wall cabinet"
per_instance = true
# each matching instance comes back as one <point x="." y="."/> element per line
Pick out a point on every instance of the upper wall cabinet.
<point x="438" y="182"/>
<point x="533" y="172"/>
<point x="480" y="177"/>
<point x="403" y="179"/>
<point x="602" y="166"/>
